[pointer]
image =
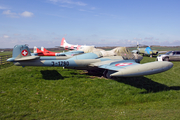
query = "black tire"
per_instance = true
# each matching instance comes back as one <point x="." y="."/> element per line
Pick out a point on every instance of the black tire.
<point x="166" y="59"/>
<point x="106" y="75"/>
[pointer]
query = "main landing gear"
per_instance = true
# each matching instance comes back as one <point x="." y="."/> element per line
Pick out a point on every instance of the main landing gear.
<point x="106" y="74"/>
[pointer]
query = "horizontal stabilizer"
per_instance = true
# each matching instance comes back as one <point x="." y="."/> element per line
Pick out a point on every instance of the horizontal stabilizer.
<point x="27" y="58"/>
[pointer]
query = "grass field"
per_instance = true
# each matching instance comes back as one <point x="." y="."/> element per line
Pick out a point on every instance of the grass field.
<point x="159" y="48"/>
<point x="57" y="93"/>
<point x="6" y="53"/>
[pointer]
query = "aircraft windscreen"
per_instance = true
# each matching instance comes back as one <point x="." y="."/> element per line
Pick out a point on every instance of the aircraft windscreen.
<point x="168" y="52"/>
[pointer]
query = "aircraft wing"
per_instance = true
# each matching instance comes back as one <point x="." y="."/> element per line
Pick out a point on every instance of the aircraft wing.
<point x="129" y="68"/>
<point x="114" y="65"/>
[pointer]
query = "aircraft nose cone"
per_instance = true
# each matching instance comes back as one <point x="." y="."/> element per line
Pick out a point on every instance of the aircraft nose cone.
<point x="170" y="64"/>
<point x="10" y="60"/>
<point x="165" y="65"/>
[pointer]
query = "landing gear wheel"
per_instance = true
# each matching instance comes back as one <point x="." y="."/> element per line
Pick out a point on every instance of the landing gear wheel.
<point x="166" y="59"/>
<point x="106" y="74"/>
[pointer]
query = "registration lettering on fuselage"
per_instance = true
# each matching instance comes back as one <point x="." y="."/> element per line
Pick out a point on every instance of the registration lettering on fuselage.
<point x="60" y="63"/>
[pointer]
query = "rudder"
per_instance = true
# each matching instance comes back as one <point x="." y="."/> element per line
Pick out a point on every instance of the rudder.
<point x="62" y="41"/>
<point x="20" y="51"/>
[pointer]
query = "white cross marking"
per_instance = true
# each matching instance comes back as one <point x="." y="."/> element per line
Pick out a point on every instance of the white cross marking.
<point x="24" y="52"/>
<point x="123" y="64"/>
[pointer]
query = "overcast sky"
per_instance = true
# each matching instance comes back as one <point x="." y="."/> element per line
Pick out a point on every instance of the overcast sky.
<point x="91" y="22"/>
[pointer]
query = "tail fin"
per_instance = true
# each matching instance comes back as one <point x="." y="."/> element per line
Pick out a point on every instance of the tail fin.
<point x="62" y="42"/>
<point x="45" y="50"/>
<point x="137" y="45"/>
<point x="36" y="50"/>
<point x="42" y="49"/>
<point x="21" y="53"/>
<point x="65" y="43"/>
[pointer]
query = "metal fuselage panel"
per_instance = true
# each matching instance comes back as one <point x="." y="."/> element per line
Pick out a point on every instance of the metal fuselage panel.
<point x="56" y="58"/>
<point x="58" y="63"/>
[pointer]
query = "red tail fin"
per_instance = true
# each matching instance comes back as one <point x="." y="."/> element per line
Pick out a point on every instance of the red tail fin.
<point x="39" y="51"/>
<point x="36" y="50"/>
<point x="45" y="51"/>
<point x="62" y="41"/>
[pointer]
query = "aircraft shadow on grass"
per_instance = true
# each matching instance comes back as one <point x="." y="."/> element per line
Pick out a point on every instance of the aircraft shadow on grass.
<point x="145" y="83"/>
<point x="138" y="82"/>
<point x="54" y="75"/>
<point x="51" y="75"/>
<point x="142" y="83"/>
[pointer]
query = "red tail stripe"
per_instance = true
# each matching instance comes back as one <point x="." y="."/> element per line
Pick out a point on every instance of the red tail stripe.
<point x="62" y="41"/>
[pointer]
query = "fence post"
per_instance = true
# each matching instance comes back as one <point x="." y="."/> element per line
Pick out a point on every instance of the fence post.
<point x="3" y="59"/>
<point x="0" y="60"/>
<point x="6" y="58"/>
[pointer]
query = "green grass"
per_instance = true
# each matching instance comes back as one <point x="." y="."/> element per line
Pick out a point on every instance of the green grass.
<point x="165" y="48"/>
<point x="3" y="59"/>
<point x="2" y="66"/>
<point x="57" y="93"/>
<point x="159" y="48"/>
<point x="6" y="53"/>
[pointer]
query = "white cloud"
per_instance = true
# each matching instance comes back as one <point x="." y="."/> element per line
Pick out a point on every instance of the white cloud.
<point x="149" y="38"/>
<point x="66" y="6"/>
<point x="5" y="36"/>
<point x="2" y="7"/>
<point x="69" y="2"/>
<point x="53" y="0"/>
<point x="137" y="39"/>
<point x="9" y="13"/>
<point x="15" y="15"/>
<point x="27" y="14"/>
<point x="93" y="8"/>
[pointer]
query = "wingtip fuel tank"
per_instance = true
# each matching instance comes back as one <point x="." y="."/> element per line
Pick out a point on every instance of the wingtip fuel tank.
<point x="143" y="69"/>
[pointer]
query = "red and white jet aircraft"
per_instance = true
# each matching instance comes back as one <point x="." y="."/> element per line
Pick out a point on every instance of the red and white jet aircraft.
<point x="44" y="52"/>
<point x="68" y="46"/>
